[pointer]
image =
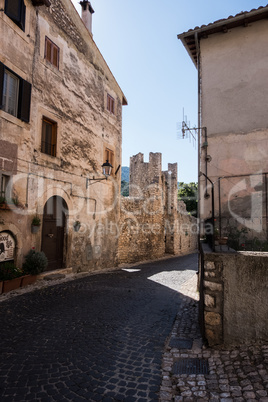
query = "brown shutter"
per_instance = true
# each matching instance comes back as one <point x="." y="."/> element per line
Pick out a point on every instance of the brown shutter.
<point x="25" y="101"/>
<point x="43" y="138"/>
<point x="2" y="72"/>
<point x="54" y="140"/>
<point x="55" y="56"/>
<point x="48" y="50"/>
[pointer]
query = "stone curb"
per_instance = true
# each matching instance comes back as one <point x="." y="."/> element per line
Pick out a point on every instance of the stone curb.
<point x="238" y="374"/>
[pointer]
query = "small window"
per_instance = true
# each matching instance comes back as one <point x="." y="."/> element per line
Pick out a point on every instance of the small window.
<point x="15" y="10"/>
<point x="10" y="93"/>
<point x="49" y="137"/>
<point x="4" y="179"/>
<point x="110" y="103"/>
<point x="15" y="94"/>
<point x="109" y="156"/>
<point x="52" y="52"/>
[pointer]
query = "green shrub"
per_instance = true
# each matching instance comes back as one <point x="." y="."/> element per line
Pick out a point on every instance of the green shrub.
<point x="36" y="221"/>
<point x="35" y="262"/>
<point x="8" y="271"/>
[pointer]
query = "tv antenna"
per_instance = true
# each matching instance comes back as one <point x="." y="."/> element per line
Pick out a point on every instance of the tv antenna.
<point x="185" y="130"/>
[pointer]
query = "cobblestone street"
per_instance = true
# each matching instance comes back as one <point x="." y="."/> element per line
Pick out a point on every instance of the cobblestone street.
<point x="127" y="335"/>
<point x="97" y="338"/>
<point x="239" y="374"/>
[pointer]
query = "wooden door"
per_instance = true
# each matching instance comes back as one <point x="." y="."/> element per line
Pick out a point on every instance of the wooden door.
<point x="54" y="220"/>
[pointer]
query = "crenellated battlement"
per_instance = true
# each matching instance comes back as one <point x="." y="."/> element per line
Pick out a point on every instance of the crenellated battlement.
<point x="151" y="223"/>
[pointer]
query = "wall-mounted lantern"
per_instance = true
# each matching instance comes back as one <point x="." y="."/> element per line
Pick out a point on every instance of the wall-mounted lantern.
<point x="106" y="170"/>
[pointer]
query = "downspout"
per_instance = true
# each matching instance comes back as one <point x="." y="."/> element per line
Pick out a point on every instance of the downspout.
<point x="199" y="127"/>
<point x="266" y="204"/>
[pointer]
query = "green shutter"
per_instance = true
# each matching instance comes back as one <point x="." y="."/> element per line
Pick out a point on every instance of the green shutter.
<point x="2" y="72"/>
<point x="24" y="101"/>
<point x="15" y="9"/>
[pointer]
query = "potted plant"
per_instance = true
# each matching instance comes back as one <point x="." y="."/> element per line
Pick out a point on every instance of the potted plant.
<point x="76" y="226"/>
<point x="35" y="262"/>
<point x="10" y="275"/>
<point x="36" y="222"/>
<point x="3" y="202"/>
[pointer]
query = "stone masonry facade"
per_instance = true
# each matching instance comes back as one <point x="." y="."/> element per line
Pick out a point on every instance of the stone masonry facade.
<point x="234" y="301"/>
<point x="55" y="145"/>
<point x="153" y="223"/>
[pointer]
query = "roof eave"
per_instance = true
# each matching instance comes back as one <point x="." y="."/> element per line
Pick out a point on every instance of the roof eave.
<point x="220" y="26"/>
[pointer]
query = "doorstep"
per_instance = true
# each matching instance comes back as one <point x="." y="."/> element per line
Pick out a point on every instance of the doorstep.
<point x="56" y="274"/>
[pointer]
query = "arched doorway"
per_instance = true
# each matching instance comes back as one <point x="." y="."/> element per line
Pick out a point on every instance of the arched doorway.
<point x="54" y="220"/>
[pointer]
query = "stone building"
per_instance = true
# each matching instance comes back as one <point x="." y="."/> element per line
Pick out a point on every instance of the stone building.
<point x="231" y="60"/>
<point x="153" y="223"/>
<point x="60" y="120"/>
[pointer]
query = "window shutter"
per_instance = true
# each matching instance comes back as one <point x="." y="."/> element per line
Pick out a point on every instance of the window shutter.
<point x="22" y="15"/>
<point x="12" y="9"/>
<point x="25" y="101"/>
<point x="48" y="50"/>
<point x="55" y="56"/>
<point x="54" y="139"/>
<point x="2" y="72"/>
<point x="15" y="9"/>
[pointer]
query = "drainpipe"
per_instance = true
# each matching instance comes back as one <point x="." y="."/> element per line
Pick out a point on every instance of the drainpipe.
<point x="266" y="204"/>
<point x="212" y="208"/>
<point x="199" y="125"/>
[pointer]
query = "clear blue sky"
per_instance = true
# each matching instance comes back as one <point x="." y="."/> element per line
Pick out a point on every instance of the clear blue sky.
<point x="138" y="40"/>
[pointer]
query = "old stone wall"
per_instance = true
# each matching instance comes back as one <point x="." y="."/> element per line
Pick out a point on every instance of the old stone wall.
<point x="234" y="295"/>
<point x="73" y="97"/>
<point x="152" y="222"/>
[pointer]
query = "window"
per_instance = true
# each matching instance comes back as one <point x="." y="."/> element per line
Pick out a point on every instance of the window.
<point x="109" y="156"/>
<point x="3" y="186"/>
<point x="15" y="94"/>
<point x="110" y="103"/>
<point x="51" y="52"/>
<point x="15" y="10"/>
<point x="10" y="93"/>
<point x="49" y="137"/>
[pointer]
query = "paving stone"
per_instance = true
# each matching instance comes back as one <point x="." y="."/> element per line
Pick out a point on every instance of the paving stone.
<point x="69" y="342"/>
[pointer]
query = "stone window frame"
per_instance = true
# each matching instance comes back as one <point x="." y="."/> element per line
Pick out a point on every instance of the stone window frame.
<point x="23" y="97"/>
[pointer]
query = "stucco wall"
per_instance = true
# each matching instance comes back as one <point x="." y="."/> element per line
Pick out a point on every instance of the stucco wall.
<point x="233" y="108"/>
<point x="234" y="294"/>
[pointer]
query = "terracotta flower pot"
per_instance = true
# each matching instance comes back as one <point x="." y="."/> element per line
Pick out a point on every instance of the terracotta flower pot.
<point x="223" y="240"/>
<point x="11" y="284"/>
<point x="28" y="280"/>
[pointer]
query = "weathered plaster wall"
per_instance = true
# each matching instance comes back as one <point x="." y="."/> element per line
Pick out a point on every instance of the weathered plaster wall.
<point x="235" y="297"/>
<point x="75" y="97"/>
<point x="233" y="108"/>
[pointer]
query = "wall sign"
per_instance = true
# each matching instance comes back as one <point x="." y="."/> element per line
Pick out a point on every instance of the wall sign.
<point x="7" y="246"/>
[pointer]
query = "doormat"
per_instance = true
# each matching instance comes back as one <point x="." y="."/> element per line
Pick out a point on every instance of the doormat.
<point x="190" y="366"/>
<point x="181" y="343"/>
